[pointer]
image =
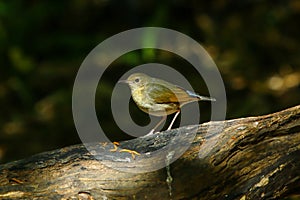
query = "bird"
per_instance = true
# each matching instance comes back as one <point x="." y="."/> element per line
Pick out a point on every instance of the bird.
<point x="160" y="98"/>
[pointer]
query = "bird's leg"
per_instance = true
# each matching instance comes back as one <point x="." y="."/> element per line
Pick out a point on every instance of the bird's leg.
<point x="173" y="120"/>
<point x="157" y="125"/>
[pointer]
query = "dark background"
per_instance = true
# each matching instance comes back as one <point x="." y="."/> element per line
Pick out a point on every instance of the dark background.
<point x="255" y="45"/>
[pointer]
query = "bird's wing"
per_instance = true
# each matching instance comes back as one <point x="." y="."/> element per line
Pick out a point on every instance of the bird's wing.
<point x="167" y="94"/>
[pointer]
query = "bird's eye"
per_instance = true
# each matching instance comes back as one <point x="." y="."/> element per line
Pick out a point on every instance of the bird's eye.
<point x="137" y="80"/>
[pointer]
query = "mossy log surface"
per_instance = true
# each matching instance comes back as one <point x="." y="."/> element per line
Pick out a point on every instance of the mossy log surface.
<point x="247" y="158"/>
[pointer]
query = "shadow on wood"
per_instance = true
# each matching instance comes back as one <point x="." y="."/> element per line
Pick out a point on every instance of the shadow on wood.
<point x="248" y="158"/>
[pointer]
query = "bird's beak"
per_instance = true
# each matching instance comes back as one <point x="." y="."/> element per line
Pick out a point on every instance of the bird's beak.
<point x="123" y="81"/>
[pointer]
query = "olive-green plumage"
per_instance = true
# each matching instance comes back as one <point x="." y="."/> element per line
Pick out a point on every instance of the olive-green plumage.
<point x="158" y="97"/>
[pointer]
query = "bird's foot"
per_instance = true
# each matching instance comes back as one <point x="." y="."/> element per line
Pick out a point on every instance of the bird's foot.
<point x="150" y="133"/>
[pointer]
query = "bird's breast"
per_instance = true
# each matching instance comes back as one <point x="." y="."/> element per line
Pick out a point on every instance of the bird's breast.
<point x="148" y="105"/>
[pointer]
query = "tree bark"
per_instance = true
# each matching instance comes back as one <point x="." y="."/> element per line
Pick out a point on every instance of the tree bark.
<point x="247" y="158"/>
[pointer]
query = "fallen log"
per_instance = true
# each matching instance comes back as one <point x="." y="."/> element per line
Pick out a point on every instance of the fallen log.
<point x="247" y="158"/>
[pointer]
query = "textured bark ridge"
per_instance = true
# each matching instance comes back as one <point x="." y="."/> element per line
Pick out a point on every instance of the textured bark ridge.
<point x="247" y="158"/>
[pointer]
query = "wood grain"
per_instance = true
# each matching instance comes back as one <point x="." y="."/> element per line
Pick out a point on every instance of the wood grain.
<point x="247" y="158"/>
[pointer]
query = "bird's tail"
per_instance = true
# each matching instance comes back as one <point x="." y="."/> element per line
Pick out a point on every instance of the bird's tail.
<point x="201" y="98"/>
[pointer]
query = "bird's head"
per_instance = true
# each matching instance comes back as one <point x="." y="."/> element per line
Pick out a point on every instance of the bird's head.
<point x="136" y="80"/>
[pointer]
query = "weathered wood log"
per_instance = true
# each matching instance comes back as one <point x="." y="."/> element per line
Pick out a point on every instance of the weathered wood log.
<point x="248" y="158"/>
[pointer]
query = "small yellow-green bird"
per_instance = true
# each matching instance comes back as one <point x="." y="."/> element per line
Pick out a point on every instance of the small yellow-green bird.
<point x="160" y="98"/>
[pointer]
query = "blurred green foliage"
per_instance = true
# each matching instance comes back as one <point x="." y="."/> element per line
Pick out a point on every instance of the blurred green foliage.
<point x="255" y="44"/>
